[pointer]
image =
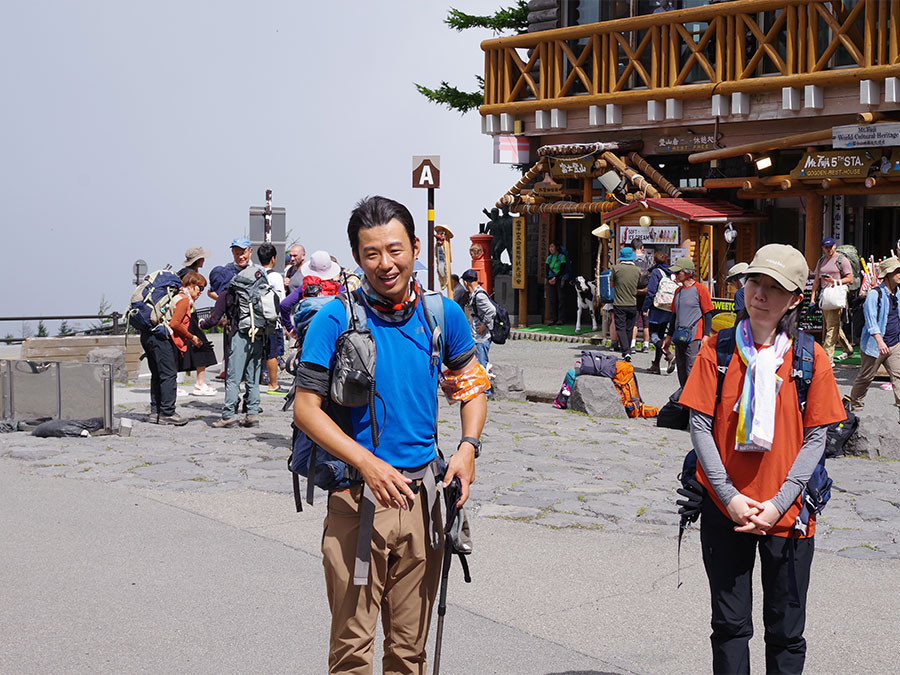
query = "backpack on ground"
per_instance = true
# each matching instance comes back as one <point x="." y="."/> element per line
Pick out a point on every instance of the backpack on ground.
<point x="840" y="432"/>
<point x="151" y="303"/>
<point x="626" y="384"/>
<point x="673" y="415"/>
<point x="352" y="384"/>
<point x="597" y="363"/>
<point x="501" y="328"/>
<point x="255" y="303"/>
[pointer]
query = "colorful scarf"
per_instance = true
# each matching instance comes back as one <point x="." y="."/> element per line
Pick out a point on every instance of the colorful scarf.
<point x="386" y="310"/>
<point x="756" y="406"/>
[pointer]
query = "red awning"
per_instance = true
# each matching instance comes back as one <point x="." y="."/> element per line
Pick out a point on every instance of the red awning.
<point x="700" y="210"/>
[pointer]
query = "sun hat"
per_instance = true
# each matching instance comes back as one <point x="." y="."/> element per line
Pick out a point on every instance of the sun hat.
<point x="736" y="271"/>
<point x="626" y="254"/>
<point x="240" y="242"/>
<point x="445" y="229"/>
<point x="783" y="263"/>
<point x="685" y="264"/>
<point x="193" y="254"/>
<point x="888" y="266"/>
<point x="320" y="264"/>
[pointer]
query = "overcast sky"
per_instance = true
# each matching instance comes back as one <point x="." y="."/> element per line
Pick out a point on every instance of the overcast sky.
<point x="137" y="129"/>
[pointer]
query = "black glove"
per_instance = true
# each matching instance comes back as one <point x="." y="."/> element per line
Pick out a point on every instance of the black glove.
<point x="693" y="493"/>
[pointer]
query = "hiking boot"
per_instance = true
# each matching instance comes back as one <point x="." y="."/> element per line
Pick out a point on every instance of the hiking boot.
<point x="225" y="423"/>
<point x="654" y="369"/>
<point x="174" y="419"/>
<point x="250" y="421"/>
<point x="627" y="357"/>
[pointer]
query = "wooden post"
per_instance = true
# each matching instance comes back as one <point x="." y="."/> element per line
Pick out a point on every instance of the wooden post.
<point x="430" y="238"/>
<point x="813" y="238"/>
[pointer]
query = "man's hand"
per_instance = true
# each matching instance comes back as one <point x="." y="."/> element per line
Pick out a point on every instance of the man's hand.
<point x="704" y="340"/>
<point x="740" y="508"/>
<point x="883" y="349"/>
<point x="666" y="343"/>
<point x="390" y="487"/>
<point x="197" y="342"/>
<point x="462" y="465"/>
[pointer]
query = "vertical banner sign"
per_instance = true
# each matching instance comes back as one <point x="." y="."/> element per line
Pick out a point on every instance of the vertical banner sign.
<point x="837" y="218"/>
<point x="427" y="174"/>
<point x="518" y="253"/>
<point x="543" y="247"/>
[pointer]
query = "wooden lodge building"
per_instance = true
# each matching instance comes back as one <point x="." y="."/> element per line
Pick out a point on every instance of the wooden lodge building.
<point x="681" y="121"/>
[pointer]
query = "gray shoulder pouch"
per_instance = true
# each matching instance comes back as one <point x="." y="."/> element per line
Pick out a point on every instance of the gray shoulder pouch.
<point x="353" y="375"/>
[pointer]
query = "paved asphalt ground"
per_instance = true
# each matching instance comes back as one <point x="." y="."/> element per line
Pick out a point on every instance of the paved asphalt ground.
<point x="178" y="550"/>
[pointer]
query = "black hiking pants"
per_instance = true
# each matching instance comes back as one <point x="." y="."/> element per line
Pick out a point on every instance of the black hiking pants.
<point x="729" y="557"/>
<point x="624" y="316"/>
<point x="163" y="373"/>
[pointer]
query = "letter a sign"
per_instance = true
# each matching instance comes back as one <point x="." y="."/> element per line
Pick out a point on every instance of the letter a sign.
<point x="426" y="171"/>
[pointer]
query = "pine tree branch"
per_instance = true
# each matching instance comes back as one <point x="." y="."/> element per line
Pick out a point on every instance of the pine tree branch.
<point x="514" y="18"/>
<point x="454" y="98"/>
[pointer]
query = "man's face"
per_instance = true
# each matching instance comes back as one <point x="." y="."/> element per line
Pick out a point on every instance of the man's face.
<point x="893" y="278"/>
<point x="297" y="255"/>
<point x="829" y="250"/>
<point x="386" y="257"/>
<point x="241" y="255"/>
<point x="682" y="276"/>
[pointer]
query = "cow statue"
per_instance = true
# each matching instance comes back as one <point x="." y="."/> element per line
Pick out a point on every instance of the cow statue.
<point x="586" y="295"/>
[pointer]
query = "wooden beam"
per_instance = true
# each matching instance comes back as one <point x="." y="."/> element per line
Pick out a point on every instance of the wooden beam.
<point x="762" y="146"/>
<point x="813" y="238"/>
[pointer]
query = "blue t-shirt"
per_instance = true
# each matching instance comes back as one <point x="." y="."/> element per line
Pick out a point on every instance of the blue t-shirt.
<point x="404" y="377"/>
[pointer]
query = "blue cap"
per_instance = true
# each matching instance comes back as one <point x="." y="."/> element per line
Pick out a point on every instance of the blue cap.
<point x="627" y="253"/>
<point x="828" y="241"/>
<point x="469" y="275"/>
<point x="240" y="242"/>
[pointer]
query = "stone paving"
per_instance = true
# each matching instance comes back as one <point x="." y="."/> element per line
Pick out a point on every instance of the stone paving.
<point x="552" y="468"/>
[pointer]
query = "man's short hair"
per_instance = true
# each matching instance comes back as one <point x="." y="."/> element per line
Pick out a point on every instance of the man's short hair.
<point x="377" y="211"/>
<point x="265" y="253"/>
<point x="637" y="243"/>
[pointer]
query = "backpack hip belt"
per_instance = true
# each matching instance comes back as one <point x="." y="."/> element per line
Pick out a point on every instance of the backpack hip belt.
<point x="428" y="475"/>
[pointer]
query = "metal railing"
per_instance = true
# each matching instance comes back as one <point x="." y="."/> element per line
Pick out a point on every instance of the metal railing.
<point x="747" y="46"/>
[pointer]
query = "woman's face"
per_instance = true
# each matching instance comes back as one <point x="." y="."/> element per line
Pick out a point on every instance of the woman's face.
<point x="767" y="300"/>
<point x="552" y="249"/>
<point x="194" y="291"/>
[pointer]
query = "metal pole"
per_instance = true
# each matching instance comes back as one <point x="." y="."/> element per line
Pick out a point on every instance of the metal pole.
<point x="430" y="238"/>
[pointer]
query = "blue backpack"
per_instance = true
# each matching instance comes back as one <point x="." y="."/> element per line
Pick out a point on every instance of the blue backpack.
<point x="151" y="303"/>
<point x="317" y="465"/>
<point x="603" y="288"/>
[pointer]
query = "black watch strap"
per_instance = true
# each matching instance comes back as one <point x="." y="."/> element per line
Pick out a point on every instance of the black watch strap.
<point x="474" y="441"/>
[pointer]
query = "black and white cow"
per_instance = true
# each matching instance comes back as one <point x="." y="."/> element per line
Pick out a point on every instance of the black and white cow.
<point x="586" y="295"/>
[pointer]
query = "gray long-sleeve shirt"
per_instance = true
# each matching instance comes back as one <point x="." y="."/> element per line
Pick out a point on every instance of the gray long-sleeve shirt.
<point x="483" y="314"/>
<point x="711" y="461"/>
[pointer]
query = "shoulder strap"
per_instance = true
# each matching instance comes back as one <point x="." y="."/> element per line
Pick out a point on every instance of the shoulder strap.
<point x="724" y="352"/>
<point x="802" y="366"/>
<point x="433" y="304"/>
<point x="354" y="308"/>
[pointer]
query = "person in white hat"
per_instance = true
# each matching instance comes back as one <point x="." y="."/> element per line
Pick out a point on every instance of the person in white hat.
<point x="880" y="341"/>
<point x="320" y="264"/>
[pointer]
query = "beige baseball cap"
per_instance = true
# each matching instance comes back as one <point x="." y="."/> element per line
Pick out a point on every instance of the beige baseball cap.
<point x="683" y="264"/>
<point x="783" y="263"/>
<point x="888" y="266"/>
<point x="736" y="270"/>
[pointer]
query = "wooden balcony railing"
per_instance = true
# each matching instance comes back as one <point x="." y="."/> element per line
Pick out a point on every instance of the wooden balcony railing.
<point x="741" y="46"/>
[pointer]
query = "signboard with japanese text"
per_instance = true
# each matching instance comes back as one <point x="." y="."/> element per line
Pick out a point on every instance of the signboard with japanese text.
<point x="866" y="135"/>
<point x="571" y="167"/>
<point x="518" y="253"/>
<point x="837" y="164"/>
<point x="426" y="171"/>
<point x="837" y="218"/>
<point x="543" y="247"/>
<point x="687" y="143"/>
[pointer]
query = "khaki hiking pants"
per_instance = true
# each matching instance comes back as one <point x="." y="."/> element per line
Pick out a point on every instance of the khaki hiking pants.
<point x="833" y="334"/>
<point x="403" y="580"/>
<point x="868" y="367"/>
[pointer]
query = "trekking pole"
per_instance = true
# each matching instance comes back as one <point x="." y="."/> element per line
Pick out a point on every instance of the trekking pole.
<point x="451" y="496"/>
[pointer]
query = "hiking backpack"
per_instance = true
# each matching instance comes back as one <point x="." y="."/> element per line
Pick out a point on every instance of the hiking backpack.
<point x="817" y="492"/>
<point x="255" y="303"/>
<point x="604" y="290"/>
<point x="626" y="384"/>
<point x="351" y="384"/>
<point x="151" y="303"/>
<point x="848" y="252"/>
<point x="501" y="328"/>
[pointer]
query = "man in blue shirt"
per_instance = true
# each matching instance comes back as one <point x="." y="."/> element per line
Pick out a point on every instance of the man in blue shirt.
<point x="880" y="341"/>
<point x="405" y="560"/>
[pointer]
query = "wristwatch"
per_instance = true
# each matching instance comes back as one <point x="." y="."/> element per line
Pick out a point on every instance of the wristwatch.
<point x="474" y="441"/>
